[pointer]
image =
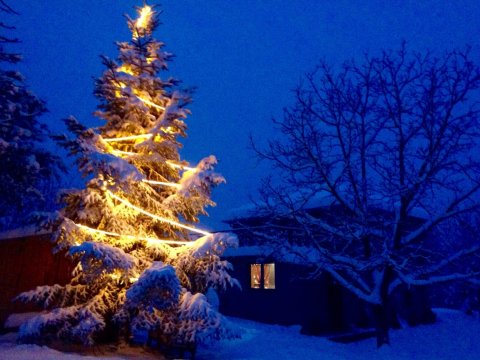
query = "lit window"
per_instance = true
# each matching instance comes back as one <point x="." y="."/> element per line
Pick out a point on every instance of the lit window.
<point x="262" y="278"/>
<point x="269" y="276"/>
<point x="255" y="275"/>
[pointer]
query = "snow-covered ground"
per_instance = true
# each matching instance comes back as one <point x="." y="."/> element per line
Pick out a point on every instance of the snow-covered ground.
<point x="9" y="350"/>
<point x="454" y="336"/>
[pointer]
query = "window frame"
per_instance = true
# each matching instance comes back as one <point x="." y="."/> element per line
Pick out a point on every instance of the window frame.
<point x="271" y="276"/>
<point x="265" y="277"/>
<point x="256" y="269"/>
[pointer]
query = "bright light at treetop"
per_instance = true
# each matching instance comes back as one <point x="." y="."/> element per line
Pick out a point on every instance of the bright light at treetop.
<point x="144" y="19"/>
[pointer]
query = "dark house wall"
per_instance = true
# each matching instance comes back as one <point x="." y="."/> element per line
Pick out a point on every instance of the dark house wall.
<point x="319" y="305"/>
<point x="25" y="263"/>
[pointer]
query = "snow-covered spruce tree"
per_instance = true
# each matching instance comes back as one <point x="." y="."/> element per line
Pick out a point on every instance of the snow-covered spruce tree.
<point x="130" y="230"/>
<point x="25" y="167"/>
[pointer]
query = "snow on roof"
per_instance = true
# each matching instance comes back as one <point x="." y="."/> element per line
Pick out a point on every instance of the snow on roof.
<point x="295" y="254"/>
<point x="30" y="230"/>
<point x="319" y="200"/>
<point x="248" y="251"/>
<point x="244" y="211"/>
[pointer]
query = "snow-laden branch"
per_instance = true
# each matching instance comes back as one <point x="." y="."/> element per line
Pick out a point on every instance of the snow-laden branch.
<point x="450" y="211"/>
<point x="407" y="279"/>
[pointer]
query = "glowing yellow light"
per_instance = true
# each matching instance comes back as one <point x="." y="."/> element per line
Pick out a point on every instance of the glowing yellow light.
<point x="126" y="138"/>
<point x="175" y="185"/>
<point x="125" y="69"/>
<point x="109" y="233"/>
<point x="179" y="166"/>
<point x="125" y="153"/>
<point x="144" y="19"/>
<point x="121" y="85"/>
<point x="114" y="276"/>
<point x="128" y="70"/>
<point x="156" y="217"/>
<point x="169" y="130"/>
<point x="148" y="102"/>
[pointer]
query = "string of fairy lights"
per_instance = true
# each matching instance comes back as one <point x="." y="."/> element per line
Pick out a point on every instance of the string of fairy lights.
<point x="142" y="23"/>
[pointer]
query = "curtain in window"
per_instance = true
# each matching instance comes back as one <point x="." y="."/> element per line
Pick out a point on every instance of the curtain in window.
<point x="255" y="275"/>
<point x="269" y="276"/>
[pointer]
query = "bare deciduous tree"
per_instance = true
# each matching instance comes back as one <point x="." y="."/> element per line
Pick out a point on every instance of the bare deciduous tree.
<point x="391" y="145"/>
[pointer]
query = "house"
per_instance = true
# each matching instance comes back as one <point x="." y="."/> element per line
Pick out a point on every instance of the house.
<point x="282" y="292"/>
<point x="278" y="287"/>
<point x="27" y="261"/>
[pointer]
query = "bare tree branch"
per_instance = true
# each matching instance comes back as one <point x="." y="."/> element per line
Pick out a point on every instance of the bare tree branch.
<point x="388" y="150"/>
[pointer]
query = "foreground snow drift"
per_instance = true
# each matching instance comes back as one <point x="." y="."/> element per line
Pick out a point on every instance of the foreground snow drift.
<point x="454" y="336"/>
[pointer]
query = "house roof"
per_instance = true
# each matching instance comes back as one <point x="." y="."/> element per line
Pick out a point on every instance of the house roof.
<point x="22" y="232"/>
<point x="302" y="255"/>
<point x="249" y="251"/>
<point x="321" y="199"/>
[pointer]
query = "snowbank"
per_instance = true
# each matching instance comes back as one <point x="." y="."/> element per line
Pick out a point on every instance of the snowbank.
<point x="454" y="336"/>
<point x="10" y="350"/>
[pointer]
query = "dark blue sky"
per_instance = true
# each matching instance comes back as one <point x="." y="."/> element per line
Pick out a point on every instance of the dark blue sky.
<point x="244" y="57"/>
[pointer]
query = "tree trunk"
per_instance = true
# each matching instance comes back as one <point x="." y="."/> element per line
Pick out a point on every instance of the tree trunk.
<point x="382" y="324"/>
<point x="382" y="311"/>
